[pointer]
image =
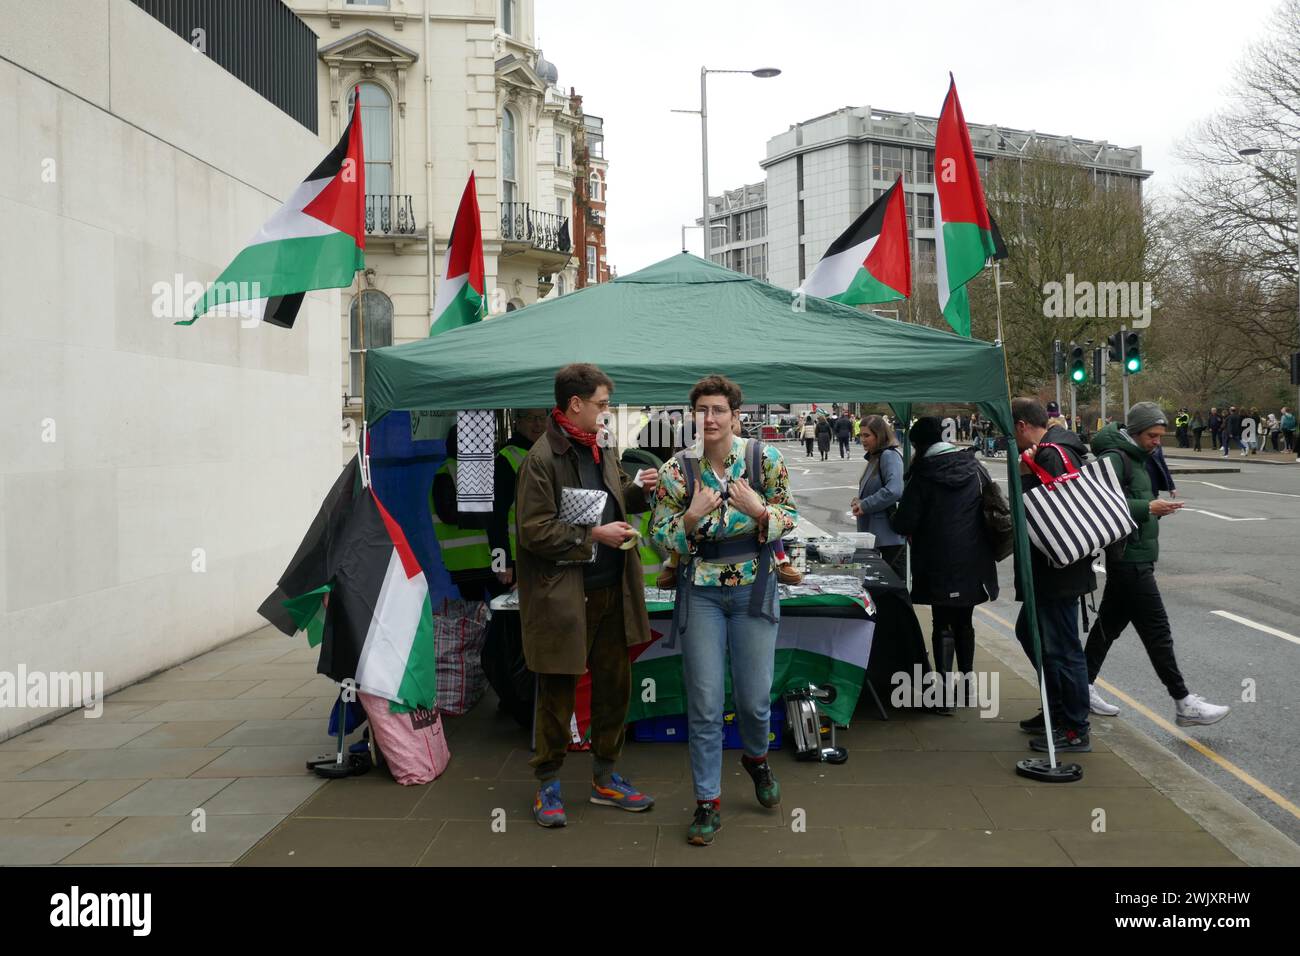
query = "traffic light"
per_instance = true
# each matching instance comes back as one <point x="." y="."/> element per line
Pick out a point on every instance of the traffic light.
<point x="1132" y="352"/>
<point x="1116" y="346"/>
<point x="1078" y="367"/>
<point x="1058" y="358"/>
<point x="1098" y="364"/>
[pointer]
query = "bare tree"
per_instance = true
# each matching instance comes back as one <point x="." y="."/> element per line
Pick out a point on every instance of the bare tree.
<point x="1246" y="212"/>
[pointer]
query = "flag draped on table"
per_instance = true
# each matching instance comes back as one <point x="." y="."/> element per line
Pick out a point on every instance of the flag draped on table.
<point x="316" y="240"/>
<point x="963" y="234"/>
<point x="460" y="299"/>
<point x="870" y="261"/>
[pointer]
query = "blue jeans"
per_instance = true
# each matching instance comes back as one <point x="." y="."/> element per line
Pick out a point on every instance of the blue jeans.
<point x="720" y="625"/>
<point x="1065" y="668"/>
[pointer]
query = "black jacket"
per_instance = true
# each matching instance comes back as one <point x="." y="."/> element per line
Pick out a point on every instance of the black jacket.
<point x="844" y="428"/>
<point x="952" y="562"/>
<point x="1057" y="584"/>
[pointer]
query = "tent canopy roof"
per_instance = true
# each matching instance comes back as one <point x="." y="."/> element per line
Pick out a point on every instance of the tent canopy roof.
<point x="658" y="331"/>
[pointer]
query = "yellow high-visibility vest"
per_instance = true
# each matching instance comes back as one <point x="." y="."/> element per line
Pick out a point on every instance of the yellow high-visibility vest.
<point x="463" y="549"/>
<point x="514" y="456"/>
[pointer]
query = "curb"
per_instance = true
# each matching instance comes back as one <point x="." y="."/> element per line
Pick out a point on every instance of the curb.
<point x="1252" y="460"/>
<point x="1249" y="837"/>
<point x="1204" y="471"/>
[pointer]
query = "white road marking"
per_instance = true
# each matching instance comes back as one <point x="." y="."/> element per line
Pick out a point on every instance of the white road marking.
<point x="1247" y="491"/>
<point x="826" y="488"/>
<point x="1259" y="627"/>
<point x="1221" y="517"/>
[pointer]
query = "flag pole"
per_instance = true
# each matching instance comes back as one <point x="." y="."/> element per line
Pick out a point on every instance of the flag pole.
<point x="363" y="452"/>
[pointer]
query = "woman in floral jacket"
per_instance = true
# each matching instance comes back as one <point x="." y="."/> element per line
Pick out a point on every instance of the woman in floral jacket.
<point x="721" y="507"/>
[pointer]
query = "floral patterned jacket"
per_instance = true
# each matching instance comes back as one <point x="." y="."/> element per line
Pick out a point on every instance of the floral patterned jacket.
<point x="668" y="527"/>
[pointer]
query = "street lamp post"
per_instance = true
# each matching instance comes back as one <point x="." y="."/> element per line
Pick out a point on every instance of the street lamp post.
<point x="763" y="73"/>
<point x="1249" y="152"/>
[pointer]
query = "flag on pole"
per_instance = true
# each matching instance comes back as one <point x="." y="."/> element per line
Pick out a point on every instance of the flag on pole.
<point x="379" y="631"/>
<point x="316" y="240"/>
<point x="870" y="261"/>
<point x="460" y="300"/>
<point x="963" y="234"/>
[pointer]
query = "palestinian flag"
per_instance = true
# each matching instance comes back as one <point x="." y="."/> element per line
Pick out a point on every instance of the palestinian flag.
<point x="870" y="261"/>
<point x="379" y="630"/>
<point x="460" y="300"/>
<point x="297" y="603"/>
<point x="809" y="650"/>
<point x="963" y="235"/>
<point x="317" y="240"/>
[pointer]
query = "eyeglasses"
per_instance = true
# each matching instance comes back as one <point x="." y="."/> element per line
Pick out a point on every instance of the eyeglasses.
<point x="603" y="406"/>
<point x="714" y="411"/>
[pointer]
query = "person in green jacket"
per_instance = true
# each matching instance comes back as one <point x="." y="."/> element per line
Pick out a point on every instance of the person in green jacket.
<point x="1131" y="594"/>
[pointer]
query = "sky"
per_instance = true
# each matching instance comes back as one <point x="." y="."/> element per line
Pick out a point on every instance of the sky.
<point x="1131" y="72"/>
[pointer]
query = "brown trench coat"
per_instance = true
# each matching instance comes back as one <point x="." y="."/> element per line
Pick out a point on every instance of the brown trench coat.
<point x="552" y="601"/>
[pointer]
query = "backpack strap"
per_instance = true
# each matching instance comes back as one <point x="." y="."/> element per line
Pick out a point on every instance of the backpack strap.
<point x="1125" y="468"/>
<point x="754" y="465"/>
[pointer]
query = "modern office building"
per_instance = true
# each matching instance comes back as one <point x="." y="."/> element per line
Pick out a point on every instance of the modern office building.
<point x="738" y="224"/>
<point x="822" y="173"/>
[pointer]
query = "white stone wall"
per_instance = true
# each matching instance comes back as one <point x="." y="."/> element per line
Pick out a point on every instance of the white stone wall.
<point x="166" y="439"/>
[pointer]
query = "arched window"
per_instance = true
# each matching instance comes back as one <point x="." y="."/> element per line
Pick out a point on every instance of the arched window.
<point x="379" y="330"/>
<point x="597" y="188"/>
<point x="377" y="133"/>
<point x="509" y="182"/>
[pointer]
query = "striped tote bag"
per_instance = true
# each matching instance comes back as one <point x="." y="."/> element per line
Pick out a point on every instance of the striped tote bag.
<point x="1073" y="515"/>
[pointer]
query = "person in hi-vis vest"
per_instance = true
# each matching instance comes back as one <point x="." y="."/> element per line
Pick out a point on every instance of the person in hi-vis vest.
<point x="465" y="550"/>
<point x="528" y="425"/>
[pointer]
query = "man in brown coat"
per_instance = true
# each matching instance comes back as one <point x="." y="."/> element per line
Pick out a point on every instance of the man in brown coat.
<point x="578" y="614"/>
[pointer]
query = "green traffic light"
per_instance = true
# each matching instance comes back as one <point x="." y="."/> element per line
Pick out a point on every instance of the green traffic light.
<point x="1135" y="365"/>
<point x="1078" y="375"/>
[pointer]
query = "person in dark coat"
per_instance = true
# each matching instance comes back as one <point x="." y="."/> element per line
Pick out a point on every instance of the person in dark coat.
<point x="1056" y="592"/>
<point x="824" y="437"/>
<point x="953" y="568"/>
<point x="844" y="433"/>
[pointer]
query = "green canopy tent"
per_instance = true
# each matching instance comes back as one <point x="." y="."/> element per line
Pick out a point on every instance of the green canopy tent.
<point x="658" y="331"/>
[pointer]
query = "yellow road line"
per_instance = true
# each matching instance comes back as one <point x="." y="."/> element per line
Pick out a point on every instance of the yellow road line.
<point x="1257" y="785"/>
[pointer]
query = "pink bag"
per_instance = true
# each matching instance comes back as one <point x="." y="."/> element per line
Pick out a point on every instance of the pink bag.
<point x="413" y="743"/>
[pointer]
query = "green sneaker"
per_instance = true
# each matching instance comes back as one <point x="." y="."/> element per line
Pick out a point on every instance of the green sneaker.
<point x="766" y="788"/>
<point x="705" y="826"/>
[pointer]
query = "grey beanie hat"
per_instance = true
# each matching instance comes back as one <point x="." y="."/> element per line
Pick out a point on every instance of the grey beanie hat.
<point x="1145" y="415"/>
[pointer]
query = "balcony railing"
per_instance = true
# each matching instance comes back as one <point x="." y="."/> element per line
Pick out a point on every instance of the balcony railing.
<point x="389" y="215"/>
<point x="544" y="230"/>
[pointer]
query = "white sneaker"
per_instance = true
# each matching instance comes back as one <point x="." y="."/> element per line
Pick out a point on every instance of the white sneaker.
<point x="1245" y="454"/>
<point x="1098" y="706"/>
<point x="1193" y="710"/>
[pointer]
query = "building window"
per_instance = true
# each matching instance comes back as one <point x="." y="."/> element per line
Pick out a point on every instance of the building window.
<point x="925" y="165"/>
<point x="559" y="286"/>
<point x="890" y="161"/>
<point x="377" y="132"/>
<point x="597" y="188"/>
<point x="591" y="264"/>
<point x="559" y="208"/>
<point x="561" y="157"/>
<point x="923" y="204"/>
<point x="509" y="182"/>
<point x="925" y="257"/>
<point x="379" y="330"/>
<point x="596" y="145"/>
<point x="508" y="11"/>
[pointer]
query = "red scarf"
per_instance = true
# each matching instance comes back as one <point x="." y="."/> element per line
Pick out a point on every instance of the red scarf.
<point x="587" y="439"/>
